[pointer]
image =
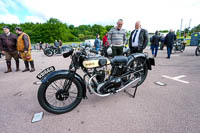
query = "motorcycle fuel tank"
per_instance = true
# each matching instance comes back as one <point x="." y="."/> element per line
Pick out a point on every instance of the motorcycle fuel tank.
<point x="92" y="63"/>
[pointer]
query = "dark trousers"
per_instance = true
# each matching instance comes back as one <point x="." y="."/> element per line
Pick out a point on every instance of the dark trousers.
<point x="161" y="46"/>
<point x="116" y="51"/>
<point x="135" y="50"/>
<point x="154" y="50"/>
<point x="169" y="51"/>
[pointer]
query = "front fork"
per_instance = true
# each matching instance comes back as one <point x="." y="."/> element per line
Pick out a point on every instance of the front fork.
<point x="68" y="82"/>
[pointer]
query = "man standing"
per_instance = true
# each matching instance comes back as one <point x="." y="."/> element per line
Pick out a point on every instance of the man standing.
<point x="138" y="39"/>
<point x="97" y="43"/>
<point x="169" y="41"/>
<point x="117" y="38"/>
<point x="155" y="43"/>
<point x="8" y="46"/>
<point x="105" y="44"/>
<point x="24" y="48"/>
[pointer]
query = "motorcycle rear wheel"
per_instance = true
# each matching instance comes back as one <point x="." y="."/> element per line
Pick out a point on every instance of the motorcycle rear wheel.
<point x="54" y="99"/>
<point x="140" y="66"/>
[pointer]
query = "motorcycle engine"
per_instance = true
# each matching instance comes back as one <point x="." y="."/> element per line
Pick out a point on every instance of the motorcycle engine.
<point x="109" y="86"/>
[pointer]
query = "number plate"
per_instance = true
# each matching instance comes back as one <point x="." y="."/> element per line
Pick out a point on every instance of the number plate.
<point x="46" y="71"/>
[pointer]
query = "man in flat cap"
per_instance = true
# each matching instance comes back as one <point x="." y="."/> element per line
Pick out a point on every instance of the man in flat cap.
<point x="8" y="46"/>
<point x="24" y="48"/>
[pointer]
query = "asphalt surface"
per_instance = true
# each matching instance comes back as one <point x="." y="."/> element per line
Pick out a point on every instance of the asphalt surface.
<point x="174" y="108"/>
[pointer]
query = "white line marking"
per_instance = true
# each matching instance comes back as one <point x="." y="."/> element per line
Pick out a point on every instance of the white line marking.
<point x="177" y="78"/>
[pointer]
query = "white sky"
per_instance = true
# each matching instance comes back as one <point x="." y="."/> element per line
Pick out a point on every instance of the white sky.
<point x="153" y="14"/>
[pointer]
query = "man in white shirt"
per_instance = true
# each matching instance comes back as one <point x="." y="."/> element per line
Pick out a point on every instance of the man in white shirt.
<point x="138" y="39"/>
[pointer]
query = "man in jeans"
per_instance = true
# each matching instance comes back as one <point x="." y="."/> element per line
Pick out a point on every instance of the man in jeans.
<point x="169" y="41"/>
<point x="8" y="46"/>
<point x="117" y="38"/>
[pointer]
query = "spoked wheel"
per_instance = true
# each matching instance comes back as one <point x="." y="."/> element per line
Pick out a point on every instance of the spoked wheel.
<point x="197" y="51"/>
<point x="60" y="94"/>
<point x="140" y="70"/>
<point x="49" y="52"/>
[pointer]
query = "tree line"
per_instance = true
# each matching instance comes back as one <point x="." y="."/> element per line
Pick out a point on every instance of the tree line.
<point x="54" y="29"/>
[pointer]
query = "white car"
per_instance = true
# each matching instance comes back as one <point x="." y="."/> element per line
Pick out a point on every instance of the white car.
<point x="90" y="42"/>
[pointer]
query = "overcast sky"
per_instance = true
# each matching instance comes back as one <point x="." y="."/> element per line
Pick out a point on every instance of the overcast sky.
<point x="153" y="14"/>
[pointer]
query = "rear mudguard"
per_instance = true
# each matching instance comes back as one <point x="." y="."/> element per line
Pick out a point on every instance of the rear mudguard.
<point x="69" y="75"/>
<point x="144" y="56"/>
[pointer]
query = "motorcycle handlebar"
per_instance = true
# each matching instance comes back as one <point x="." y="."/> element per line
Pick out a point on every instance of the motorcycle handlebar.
<point x="94" y="51"/>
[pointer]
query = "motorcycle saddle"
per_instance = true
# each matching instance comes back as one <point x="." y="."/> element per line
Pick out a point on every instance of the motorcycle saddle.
<point x="120" y="60"/>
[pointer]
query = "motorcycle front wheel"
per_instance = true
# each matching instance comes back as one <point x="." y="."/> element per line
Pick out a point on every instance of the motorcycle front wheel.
<point x="49" y="52"/>
<point x="60" y="94"/>
<point x="197" y="51"/>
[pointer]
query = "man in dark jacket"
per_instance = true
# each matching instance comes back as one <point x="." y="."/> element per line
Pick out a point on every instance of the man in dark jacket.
<point x="155" y="43"/>
<point x="8" y="46"/>
<point x="97" y="43"/>
<point x="169" y="41"/>
<point x="138" y="39"/>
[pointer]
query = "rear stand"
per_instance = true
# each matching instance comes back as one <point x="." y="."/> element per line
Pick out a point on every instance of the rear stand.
<point x="132" y="95"/>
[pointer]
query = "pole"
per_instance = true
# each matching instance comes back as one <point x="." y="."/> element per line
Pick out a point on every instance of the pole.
<point x="189" y="26"/>
<point x="181" y="27"/>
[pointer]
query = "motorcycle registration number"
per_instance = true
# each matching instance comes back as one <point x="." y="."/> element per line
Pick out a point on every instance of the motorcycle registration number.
<point x="46" y="71"/>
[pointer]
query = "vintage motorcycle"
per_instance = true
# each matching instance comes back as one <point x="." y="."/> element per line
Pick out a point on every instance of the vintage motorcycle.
<point x="50" y="51"/>
<point x="179" y="46"/>
<point x="61" y="91"/>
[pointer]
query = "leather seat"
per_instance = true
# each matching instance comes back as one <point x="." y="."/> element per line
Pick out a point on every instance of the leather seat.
<point x="120" y="60"/>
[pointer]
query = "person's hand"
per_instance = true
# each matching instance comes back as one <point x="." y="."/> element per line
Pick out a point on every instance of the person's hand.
<point x="25" y="51"/>
<point x="3" y="52"/>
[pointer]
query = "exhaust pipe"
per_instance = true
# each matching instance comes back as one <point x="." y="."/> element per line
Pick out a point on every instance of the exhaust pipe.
<point x="131" y="84"/>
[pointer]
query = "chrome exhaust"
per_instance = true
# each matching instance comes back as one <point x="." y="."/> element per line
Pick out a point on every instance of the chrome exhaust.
<point x="131" y="84"/>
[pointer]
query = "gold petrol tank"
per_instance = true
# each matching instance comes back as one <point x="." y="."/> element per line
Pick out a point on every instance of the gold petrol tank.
<point x="95" y="62"/>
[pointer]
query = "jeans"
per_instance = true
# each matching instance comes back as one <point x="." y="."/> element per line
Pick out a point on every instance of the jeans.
<point x="154" y="50"/>
<point x="169" y="51"/>
<point x="97" y="49"/>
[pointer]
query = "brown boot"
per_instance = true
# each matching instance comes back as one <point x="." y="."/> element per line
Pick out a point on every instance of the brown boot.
<point x="8" y="66"/>
<point x="32" y="66"/>
<point x="17" y="65"/>
<point x="26" y="67"/>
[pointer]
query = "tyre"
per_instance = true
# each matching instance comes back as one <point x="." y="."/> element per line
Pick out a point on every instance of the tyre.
<point x="140" y="68"/>
<point x="60" y="94"/>
<point x="49" y="52"/>
<point x="197" y="51"/>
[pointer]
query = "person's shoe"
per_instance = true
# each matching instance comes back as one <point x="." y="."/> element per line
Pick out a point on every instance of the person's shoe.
<point x="17" y="70"/>
<point x="26" y="69"/>
<point x="9" y="70"/>
<point x="168" y="57"/>
<point x="32" y="70"/>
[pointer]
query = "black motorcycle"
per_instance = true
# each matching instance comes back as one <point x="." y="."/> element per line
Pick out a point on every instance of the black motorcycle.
<point x="197" y="51"/>
<point x="62" y="90"/>
<point x="52" y="50"/>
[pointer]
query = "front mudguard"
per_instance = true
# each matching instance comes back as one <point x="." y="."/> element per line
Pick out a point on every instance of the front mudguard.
<point x="149" y="61"/>
<point x="69" y="75"/>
